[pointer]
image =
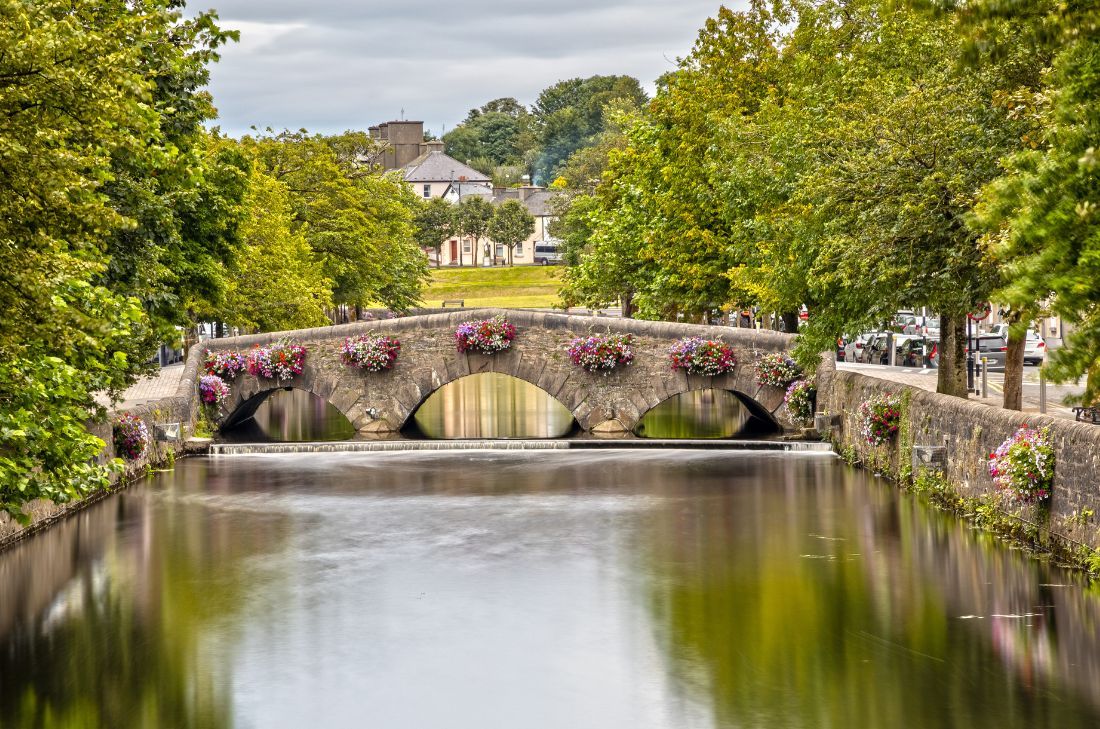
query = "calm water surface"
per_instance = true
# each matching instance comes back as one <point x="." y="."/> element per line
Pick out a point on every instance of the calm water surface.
<point x="637" y="589"/>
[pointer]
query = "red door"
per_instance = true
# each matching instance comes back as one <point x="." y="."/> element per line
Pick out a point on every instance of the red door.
<point x="454" y="251"/>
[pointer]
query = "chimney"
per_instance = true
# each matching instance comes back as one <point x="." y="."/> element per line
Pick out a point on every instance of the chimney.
<point x="527" y="190"/>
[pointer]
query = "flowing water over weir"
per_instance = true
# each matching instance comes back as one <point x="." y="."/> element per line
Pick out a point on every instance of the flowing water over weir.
<point x="368" y="446"/>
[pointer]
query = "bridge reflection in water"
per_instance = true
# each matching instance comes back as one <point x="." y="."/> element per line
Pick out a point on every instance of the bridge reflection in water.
<point x="494" y="405"/>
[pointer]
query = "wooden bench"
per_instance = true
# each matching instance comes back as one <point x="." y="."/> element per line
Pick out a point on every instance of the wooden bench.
<point x="1087" y="414"/>
<point x="453" y="302"/>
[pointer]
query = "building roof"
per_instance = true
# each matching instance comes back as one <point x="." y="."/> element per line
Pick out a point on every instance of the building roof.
<point x="538" y="202"/>
<point x="435" y="166"/>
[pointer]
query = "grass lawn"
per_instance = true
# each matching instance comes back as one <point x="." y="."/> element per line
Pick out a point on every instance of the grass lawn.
<point x="517" y="287"/>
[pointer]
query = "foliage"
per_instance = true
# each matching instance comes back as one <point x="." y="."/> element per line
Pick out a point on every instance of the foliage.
<point x="131" y="436"/>
<point x="281" y="360"/>
<point x="572" y="113"/>
<point x="1042" y="217"/>
<point x="276" y="283"/>
<point x="511" y="224"/>
<point x="225" y="365"/>
<point x="487" y="336"/>
<point x="698" y="356"/>
<point x="880" y="417"/>
<point x="800" y="401"/>
<point x="213" y="390"/>
<point x="776" y="369"/>
<point x="357" y="222"/>
<point x="601" y="352"/>
<point x="79" y="103"/>
<point x="1023" y="466"/>
<point x="370" y="352"/>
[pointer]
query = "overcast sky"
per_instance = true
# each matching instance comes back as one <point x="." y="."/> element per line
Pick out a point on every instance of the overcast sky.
<point x="331" y="65"/>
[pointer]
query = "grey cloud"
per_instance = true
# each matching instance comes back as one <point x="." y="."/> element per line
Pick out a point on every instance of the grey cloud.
<point x="328" y="65"/>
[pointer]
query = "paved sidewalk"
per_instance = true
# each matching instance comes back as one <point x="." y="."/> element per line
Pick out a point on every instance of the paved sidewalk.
<point x="926" y="380"/>
<point x="148" y="389"/>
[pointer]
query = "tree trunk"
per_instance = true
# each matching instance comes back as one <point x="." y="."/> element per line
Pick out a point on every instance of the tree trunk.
<point x="790" y="322"/>
<point x="952" y="365"/>
<point x="358" y="312"/>
<point x="219" y="329"/>
<point x="1014" y="366"/>
<point x="511" y="261"/>
<point x="628" y="305"/>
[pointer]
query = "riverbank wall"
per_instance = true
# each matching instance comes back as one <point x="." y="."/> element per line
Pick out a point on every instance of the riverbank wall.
<point x="969" y="432"/>
<point x="173" y="416"/>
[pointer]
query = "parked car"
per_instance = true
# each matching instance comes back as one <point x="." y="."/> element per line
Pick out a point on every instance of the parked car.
<point x="918" y="351"/>
<point x="909" y="350"/>
<point x="992" y="347"/>
<point x="931" y="327"/>
<point x="853" y="346"/>
<point x="1035" y="349"/>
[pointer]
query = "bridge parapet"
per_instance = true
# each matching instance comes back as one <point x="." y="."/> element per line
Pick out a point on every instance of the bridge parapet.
<point x="382" y="402"/>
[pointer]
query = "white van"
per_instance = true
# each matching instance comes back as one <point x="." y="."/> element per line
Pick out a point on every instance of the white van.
<point x="547" y="253"/>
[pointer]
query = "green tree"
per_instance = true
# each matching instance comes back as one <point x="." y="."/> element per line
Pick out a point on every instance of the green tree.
<point x="76" y="98"/>
<point x="572" y="113"/>
<point x="472" y="218"/>
<point x="1042" y="216"/>
<point x="277" y="282"/>
<point x="359" y="222"/>
<point x="435" y="224"/>
<point x="510" y="225"/>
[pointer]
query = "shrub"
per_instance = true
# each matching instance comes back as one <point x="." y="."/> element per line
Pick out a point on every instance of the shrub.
<point x="487" y="336"/>
<point x="702" y="356"/>
<point x="213" y="390"/>
<point x="225" y="365"/>
<point x="279" y="361"/>
<point x="370" y="352"/>
<point x="777" y="369"/>
<point x="1023" y="466"/>
<point x="880" y="418"/>
<point x="601" y="352"/>
<point x="800" y="401"/>
<point x="131" y="436"/>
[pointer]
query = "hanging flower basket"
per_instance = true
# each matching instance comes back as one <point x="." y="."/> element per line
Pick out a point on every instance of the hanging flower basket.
<point x="487" y="336"/>
<point x="777" y="369"/>
<point x="131" y="436"/>
<point x="213" y="390"/>
<point x="601" y="352"/>
<point x="800" y="401"/>
<point x="279" y="361"/>
<point x="702" y="356"/>
<point x="880" y="417"/>
<point x="1023" y="466"/>
<point x="370" y="352"/>
<point x="225" y="365"/>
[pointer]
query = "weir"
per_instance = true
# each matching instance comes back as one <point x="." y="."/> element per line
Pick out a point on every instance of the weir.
<point x="248" y="449"/>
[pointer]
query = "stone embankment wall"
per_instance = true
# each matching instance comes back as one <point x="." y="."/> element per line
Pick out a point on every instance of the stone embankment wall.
<point x="613" y="403"/>
<point x="180" y="408"/>
<point x="971" y="431"/>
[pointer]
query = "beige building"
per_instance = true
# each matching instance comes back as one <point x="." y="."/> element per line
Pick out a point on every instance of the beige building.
<point x="432" y="173"/>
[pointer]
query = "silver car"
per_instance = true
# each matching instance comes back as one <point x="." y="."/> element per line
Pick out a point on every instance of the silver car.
<point x="992" y="348"/>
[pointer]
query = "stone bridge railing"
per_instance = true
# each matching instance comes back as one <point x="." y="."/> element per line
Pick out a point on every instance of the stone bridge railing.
<point x="381" y="402"/>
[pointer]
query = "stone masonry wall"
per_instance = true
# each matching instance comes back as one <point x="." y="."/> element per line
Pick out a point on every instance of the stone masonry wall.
<point x="971" y="431"/>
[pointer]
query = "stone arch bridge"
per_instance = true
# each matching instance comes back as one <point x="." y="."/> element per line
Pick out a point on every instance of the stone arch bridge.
<point x="385" y="402"/>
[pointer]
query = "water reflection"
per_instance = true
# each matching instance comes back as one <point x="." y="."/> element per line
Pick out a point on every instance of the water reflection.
<point x="634" y="589"/>
<point x="492" y="405"/>
<point x="294" y="416"/>
<point x="695" y="414"/>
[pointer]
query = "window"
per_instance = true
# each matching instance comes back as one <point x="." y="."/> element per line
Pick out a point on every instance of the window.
<point x="427" y="189"/>
<point x="465" y="246"/>
<point x="519" y="248"/>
